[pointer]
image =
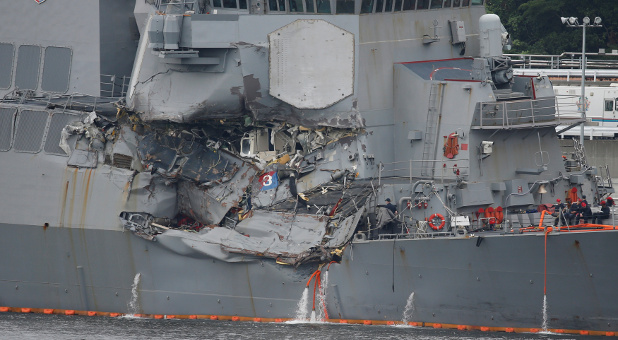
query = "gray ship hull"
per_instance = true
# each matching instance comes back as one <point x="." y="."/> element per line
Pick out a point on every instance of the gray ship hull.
<point x="500" y="283"/>
<point x="247" y="154"/>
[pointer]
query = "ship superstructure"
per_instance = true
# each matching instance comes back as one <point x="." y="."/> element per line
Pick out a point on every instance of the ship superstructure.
<point x="253" y="147"/>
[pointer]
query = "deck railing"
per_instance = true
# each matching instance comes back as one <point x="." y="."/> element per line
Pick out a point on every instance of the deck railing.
<point x="567" y="60"/>
<point x="412" y="170"/>
<point x="548" y="111"/>
<point x="114" y="86"/>
<point x="177" y="6"/>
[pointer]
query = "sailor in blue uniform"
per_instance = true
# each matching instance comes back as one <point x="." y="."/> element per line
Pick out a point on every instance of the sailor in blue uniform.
<point x="389" y="227"/>
<point x="391" y="206"/>
<point x="602" y="215"/>
<point x="584" y="210"/>
<point x="573" y="211"/>
<point x="610" y="202"/>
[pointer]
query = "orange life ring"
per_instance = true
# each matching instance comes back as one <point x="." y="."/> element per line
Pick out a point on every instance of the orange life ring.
<point x="490" y="215"/>
<point x="433" y="226"/>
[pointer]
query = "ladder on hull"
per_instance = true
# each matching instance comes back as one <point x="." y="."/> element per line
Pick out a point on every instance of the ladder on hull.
<point x="434" y="115"/>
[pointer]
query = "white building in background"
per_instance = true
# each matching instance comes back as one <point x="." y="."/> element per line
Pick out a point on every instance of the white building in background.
<point x="601" y="91"/>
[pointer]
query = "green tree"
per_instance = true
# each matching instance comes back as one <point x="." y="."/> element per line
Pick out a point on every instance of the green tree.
<point x="535" y="25"/>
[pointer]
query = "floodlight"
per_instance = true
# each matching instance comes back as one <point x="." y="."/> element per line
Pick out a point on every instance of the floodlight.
<point x="573" y="22"/>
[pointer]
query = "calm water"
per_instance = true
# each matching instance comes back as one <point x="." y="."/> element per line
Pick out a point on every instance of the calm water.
<point x="39" y="326"/>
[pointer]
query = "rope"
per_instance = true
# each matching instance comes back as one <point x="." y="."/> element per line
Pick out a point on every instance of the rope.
<point x="447" y="209"/>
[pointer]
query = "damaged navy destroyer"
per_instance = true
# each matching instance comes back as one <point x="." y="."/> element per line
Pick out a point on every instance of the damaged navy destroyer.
<point x="234" y="158"/>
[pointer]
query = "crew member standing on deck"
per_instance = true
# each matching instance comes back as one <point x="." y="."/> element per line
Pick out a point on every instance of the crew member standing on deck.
<point x="391" y="206"/>
<point x="390" y="226"/>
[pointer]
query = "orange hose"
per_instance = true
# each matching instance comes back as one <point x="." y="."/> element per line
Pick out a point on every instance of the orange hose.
<point x="315" y="285"/>
<point x="311" y="277"/>
<point x="575" y="228"/>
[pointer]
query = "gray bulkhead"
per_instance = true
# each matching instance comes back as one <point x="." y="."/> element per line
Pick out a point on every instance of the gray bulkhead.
<point x="239" y="44"/>
<point x="75" y="47"/>
<point x="234" y="78"/>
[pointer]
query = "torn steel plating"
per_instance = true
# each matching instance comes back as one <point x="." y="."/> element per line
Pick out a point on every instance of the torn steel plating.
<point x="85" y="127"/>
<point x="315" y="207"/>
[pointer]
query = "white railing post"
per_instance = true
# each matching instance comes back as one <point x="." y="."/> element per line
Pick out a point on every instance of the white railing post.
<point x="481" y="106"/>
<point x="532" y="110"/>
<point x="505" y="112"/>
<point x="410" y="171"/>
<point x="556" y="108"/>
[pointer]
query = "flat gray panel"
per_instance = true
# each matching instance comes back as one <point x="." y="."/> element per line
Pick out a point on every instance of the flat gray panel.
<point x="56" y="69"/>
<point x="30" y="130"/>
<point x="28" y="62"/>
<point x="7" y="115"/>
<point x="58" y="122"/>
<point x="7" y="51"/>
<point x="297" y="52"/>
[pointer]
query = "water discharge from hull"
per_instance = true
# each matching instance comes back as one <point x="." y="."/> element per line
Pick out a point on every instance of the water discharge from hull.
<point x="303" y="306"/>
<point x="408" y="311"/>
<point x="134" y="304"/>
<point x="321" y="314"/>
<point x="545" y="326"/>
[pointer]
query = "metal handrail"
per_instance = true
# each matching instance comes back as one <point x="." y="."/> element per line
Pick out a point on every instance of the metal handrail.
<point x="186" y="5"/>
<point x="415" y="235"/>
<point x="561" y="110"/>
<point x="566" y="60"/>
<point x="413" y="171"/>
<point x="112" y="83"/>
<point x="66" y="101"/>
